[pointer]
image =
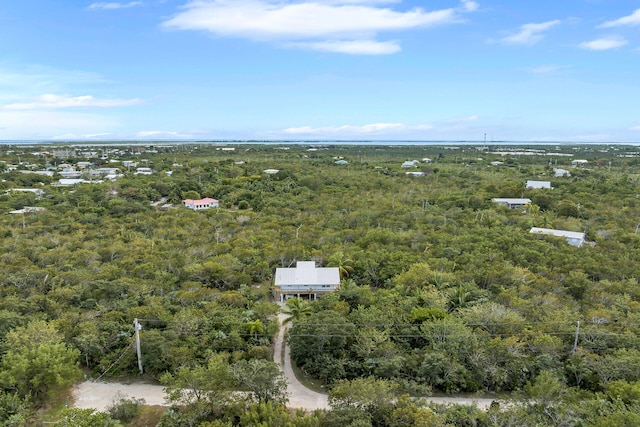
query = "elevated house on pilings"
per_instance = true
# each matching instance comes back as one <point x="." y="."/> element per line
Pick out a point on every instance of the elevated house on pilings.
<point x="305" y="281"/>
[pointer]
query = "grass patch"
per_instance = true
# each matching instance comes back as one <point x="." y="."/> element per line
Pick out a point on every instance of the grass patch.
<point x="308" y="381"/>
<point x="149" y="416"/>
<point x="56" y="401"/>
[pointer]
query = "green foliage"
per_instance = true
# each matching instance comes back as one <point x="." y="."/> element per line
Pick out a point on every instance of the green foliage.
<point x="36" y="360"/>
<point x="445" y="290"/>
<point x="124" y="409"/>
<point x="14" y="409"/>
<point x="262" y="378"/>
<point x="87" y="418"/>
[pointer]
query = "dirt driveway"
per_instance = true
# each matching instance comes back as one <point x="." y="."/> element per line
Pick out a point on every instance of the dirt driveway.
<point x="100" y="395"/>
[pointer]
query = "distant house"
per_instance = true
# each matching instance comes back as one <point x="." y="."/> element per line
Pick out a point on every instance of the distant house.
<point x="68" y="182"/>
<point x="64" y="153"/>
<point x="198" y="205"/>
<point x="70" y="172"/>
<point x="104" y="171"/>
<point x="426" y="160"/>
<point x="143" y="171"/>
<point x="28" y="209"/>
<point x="305" y="280"/>
<point x="574" y="238"/>
<point x="496" y="163"/>
<point x="342" y="162"/>
<point x="578" y="162"/>
<point x="271" y="171"/>
<point x="37" y="191"/>
<point x="415" y="173"/>
<point x="539" y="184"/>
<point x="410" y="164"/>
<point x="557" y="172"/>
<point x="512" y="203"/>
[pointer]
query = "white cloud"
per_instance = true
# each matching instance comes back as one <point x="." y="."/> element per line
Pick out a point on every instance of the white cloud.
<point x="631" y="20"/>
<point x="51" y="101"/>
<point x="355" y="47"/>
<point x="470" y="6"/>
<point x="97" y="135"/>
<point x="346" y="26"/>
<point x="374" y="128"/>
<point x="635" y="128"/>
<point x="471" y="118"/>
<point x="161" y="134"/>
<point x="530" y="34"/>
<point x="113" y="5"/>
<point x="27" y="124"/>
<point x="604" y="43"/>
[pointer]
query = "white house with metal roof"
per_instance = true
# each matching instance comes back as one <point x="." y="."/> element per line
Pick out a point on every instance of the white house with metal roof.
<point x="574" y="238"/>
<point x="512" y="203"/>
<point x="305" y="279"/>
<point x="535" y="185"/>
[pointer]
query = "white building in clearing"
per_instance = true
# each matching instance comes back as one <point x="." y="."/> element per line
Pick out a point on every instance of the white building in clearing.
<point x="512" y="203"/>
<point x="305" y="279"/>
<point x="539" y="185"/>
<point x="558" y="172"/>
<point x="574" y="238"/>
<point x="143" y="171"/>
<point x="410" y="164"/>
<point x="198" y="205"/>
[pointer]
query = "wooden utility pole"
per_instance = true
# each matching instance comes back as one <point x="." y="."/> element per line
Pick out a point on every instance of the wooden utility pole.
<point x="137" y="327"/>
<point x="575" y="343"/>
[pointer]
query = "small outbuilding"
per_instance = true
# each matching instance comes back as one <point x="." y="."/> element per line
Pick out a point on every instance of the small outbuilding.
<point x="512" y="203"/>
<point x="535" y="185"/>
<point x="574" y="238"/>
<point x="410" y="164"/>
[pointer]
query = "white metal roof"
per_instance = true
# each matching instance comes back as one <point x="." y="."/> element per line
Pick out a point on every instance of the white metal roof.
<point x="306" y="273"/>
<point x="512" y="201"/>
<point x="558" y="233"/>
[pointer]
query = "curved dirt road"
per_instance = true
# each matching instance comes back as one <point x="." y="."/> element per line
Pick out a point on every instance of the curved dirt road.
<point x="100" y="395"/>
<point x="299" y="395"/>
<point x="302" y="397"/>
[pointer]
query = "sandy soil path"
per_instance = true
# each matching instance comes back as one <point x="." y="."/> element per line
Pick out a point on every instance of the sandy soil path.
<point x="299" y="395"/>
<point x="100" y="395"/>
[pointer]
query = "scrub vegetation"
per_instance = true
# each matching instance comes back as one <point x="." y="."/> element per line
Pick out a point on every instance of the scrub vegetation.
<point x="443" y="291"/>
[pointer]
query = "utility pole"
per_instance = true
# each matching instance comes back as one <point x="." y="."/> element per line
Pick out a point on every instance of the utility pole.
<point x="137" y="327"/>
<point x="575" y="343"/>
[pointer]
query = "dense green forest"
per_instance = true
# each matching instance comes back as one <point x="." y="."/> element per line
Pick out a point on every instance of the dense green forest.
<point x="443" y="290"/>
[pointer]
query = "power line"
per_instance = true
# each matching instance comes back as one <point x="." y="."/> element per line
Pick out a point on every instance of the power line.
<point x="117" y="360"/>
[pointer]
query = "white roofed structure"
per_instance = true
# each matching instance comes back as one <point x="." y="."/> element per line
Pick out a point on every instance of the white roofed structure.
<point x="539" y="184"/>
<point x="305" y="279"/>
<point x="512" y="203"/>
<point x="574" y="238"/>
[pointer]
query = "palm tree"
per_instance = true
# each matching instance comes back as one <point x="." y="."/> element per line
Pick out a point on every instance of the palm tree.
<point x="256" y="327"/>
<point x="340" y="260"/>
<point x="297" y="308"/>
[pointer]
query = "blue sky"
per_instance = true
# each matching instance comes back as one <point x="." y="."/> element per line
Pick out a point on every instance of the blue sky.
<point x="320" y="69"/>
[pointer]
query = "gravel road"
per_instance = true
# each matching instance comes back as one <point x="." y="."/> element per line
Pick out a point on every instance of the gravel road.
<point x="100" y="395"/>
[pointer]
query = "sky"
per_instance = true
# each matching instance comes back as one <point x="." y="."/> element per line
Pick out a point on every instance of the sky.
<point x="439" y="70"/>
